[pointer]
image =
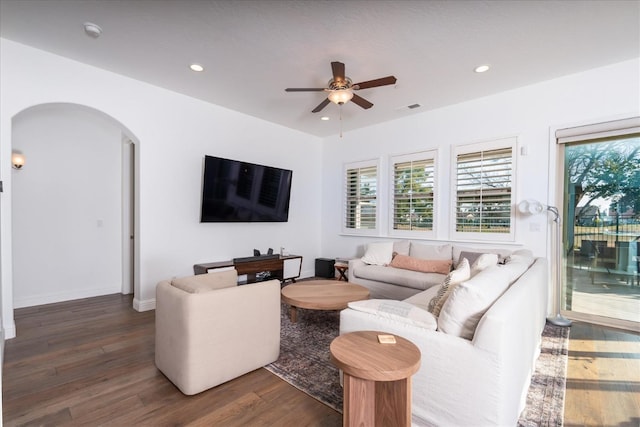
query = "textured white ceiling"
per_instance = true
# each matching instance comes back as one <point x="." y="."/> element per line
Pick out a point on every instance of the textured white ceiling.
<point x="253" y="50"/>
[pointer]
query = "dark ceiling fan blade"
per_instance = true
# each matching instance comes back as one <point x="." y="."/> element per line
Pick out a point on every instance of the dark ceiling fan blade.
<point x="304" y="89"/>
<point x="338" y="71"/>
<point x="321" y="106"/>
<point x="361" y="102"/>
<point x="389" y="80"/>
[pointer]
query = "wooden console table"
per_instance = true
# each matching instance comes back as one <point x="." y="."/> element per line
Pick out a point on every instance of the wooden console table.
<point x="282" y="267"/>
<point x="377" y="378"/>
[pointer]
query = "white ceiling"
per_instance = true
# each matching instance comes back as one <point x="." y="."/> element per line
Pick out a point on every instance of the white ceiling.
<point x="253" y="50"/>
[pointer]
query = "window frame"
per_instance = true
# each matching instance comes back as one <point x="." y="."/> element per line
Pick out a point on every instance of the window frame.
<point x="427" y="155"/>
<point x="345" y="196"/>
<point x="479" y="148"/>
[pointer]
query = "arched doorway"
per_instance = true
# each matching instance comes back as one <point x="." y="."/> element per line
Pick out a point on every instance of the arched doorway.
<point x="73" y="205"/>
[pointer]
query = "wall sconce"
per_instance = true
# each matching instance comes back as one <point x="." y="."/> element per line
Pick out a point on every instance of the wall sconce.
<point x="17" y="160"/>
<point x="534" y="207"/>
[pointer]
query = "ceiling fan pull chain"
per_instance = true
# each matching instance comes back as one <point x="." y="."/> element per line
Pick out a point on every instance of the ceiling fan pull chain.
<point x="340" y="120"/>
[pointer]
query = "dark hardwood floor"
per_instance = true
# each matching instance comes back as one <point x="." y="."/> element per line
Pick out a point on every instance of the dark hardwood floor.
<point x="91" y="362"/>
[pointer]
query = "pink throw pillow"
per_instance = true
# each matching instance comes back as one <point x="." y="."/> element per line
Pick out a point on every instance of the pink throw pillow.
<point x="422" y="265"/>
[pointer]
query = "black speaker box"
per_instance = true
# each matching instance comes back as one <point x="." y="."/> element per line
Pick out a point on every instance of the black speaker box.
<point x="324" y="268"/>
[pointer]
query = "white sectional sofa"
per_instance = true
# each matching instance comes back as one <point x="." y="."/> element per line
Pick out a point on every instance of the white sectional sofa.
<point x="479" y="354"/>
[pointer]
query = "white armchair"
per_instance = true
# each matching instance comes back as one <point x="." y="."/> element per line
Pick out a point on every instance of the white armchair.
<point x="209" y="330"/>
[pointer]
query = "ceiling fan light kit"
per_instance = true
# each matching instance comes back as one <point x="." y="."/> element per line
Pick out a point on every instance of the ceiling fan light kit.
<point x="340" y="96"/>
<point x="341" y="88"/>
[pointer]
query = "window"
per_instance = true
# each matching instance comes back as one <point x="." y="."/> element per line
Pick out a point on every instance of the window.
<point x="413" y="194"/>
<point x="483" y="185"/>
<point x="361" y="197"/>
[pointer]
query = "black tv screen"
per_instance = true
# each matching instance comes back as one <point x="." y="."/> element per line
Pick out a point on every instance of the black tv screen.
<point x="235" y="191"/>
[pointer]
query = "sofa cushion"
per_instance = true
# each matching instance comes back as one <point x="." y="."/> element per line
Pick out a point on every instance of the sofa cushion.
<point x="397" y="310"/>
<point x="457" y="251"/>
<point x="207" y="282"/>
<point x="401" y="247"/>
<point x="468" y="302"/>
<point x="457" y="276"/>
<point x="441" y="252"/>
<point x="378" y="253"/>
<point x="442" y="266"/>
<point x="397" y="276"/>
<point x="470" y="256"/>
<point x="422" y="299"/>
<point x="482" y="262"/>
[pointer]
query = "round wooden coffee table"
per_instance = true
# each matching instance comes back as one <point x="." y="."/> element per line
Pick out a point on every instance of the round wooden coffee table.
<point x="321" y="295"/>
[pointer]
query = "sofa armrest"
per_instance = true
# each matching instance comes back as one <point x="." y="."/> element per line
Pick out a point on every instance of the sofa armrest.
<point x="204" y="339"/>
<point x="353" y="265"/>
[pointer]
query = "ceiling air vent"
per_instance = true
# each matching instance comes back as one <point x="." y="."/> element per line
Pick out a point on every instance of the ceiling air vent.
<point x="413" y="106"/>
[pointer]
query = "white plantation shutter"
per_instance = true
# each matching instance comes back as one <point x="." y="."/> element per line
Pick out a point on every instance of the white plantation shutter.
<point x="413" y="193"/>
<point x="361" y="193"/>
<point x="483" y="189"/>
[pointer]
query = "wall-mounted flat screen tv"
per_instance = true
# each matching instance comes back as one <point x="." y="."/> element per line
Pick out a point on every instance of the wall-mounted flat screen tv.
<point x="235" y="191"/>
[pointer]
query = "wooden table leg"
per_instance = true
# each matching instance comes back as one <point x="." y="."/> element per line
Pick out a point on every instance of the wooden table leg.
<point x="359" y="402"/>
<point x="293" y="314"/>
<point x="379" y="404"/>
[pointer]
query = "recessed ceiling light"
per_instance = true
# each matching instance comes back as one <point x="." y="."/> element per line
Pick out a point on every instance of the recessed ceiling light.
<point x="92" y="30"/>
<point x="481" y="68"/>
<point x="196" y="67"/>
<point x="324" y="118"/>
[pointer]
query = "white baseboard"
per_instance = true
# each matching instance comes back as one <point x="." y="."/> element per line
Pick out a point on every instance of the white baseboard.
<point x="64" y="296"/>
<point x="145" y="305"/>
<point x="8" y="332"/>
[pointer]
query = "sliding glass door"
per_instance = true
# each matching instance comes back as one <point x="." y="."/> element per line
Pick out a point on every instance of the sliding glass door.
<point x="602" y="229"/>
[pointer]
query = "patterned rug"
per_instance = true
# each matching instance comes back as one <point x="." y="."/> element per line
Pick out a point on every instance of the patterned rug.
<point x="304" y="363"/>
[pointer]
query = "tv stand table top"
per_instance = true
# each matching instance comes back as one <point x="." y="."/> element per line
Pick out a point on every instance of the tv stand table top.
<point x="252" y="266"/>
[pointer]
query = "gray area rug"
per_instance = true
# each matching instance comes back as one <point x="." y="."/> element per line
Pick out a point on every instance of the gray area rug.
<point x="304" y="363"/>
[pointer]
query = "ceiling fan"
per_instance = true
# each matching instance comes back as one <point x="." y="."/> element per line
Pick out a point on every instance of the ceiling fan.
<point x="341" y="88"/>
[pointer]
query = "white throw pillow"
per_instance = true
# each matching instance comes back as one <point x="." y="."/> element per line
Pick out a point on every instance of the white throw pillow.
<point x="521" y="255"/>
<point x="468" y="302"/>
<point x="397" y="310"/>
<point x="457" y="253"/>
<point x="378" y="253"/>
<point x="482" y="262"/>
<point x="457" y="276"/>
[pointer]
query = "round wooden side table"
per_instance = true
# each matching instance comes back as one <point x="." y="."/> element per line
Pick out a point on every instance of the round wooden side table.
<point x="377" y="378"/>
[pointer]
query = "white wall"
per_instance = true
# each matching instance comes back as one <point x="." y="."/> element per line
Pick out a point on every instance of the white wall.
<point x="172" y="134"/>
<point x="529" y="113"/>
<point x="66" y="206"/>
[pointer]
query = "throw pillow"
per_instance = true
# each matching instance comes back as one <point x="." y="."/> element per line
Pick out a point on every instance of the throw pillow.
<point x="470" y="300"/>
<point x="457" y="253"/>
<point x="483" y="261"/>
<point x="522" y="255"/>
<point x="378" y="253"/>
<point x="422" y="265"/>
<point x="470" y="256"/>
<point x="397" y="310"/>
<point x="457" y="276"/>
